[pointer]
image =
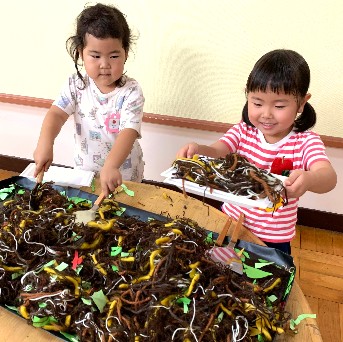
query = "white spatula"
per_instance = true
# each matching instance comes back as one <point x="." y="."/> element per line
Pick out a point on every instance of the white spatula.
<point x="84" y="216"/>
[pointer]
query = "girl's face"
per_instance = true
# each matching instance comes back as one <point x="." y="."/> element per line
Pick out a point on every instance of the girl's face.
<point x="274" y="113"/>
<point x="104" y="61"/>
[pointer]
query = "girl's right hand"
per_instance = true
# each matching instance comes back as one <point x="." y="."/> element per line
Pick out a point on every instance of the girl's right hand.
<point x="188" y="151"/>
<point x="52" y="124"/>
<point x="43" y="157"/>
<point x="110" y="179"/>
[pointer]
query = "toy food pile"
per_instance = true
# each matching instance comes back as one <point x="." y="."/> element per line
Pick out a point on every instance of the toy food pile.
<point x="232" y="174"/>
<point x="121" y="279"/>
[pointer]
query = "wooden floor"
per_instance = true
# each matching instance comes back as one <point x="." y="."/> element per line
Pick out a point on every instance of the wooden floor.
<point x="318" y="255"/>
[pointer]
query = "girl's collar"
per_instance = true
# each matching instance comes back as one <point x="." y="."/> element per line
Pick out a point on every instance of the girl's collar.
<point x="97" y="90"/>
<point x="277" y="144"/>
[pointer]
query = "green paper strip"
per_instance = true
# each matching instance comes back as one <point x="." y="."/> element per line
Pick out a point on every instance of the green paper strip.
<point x="120" y="212"/>
<point x="28" y="288"/>
<point x="39" y="322"/>
<point x="100" y="300"/>
<point x="272" y="298"/>
<point x="260" y="338"/>
<point x="220" y="317"/>
<point x="289" y="285"/>
<point x="78" y="200"/>
<point x="75" y="236"/>
<point x="255" y="273"/>
<point x="14" y="308"/>
<point x="185" y="301"/>
<point x="86" y="285"/>
<point x="115" y="268"/>
<point x="49" y="263"/>
<point x="62" y="266"/>
<point x="7" y="190"/>
<point x="16" y="275"/>
<point x="269" y="303"/>
<point x="209" y="238"/>
<point x="116" y="250"/>
<point x="262" y="264"/>
<point x="78" y="269"/>
<point x="262" y="260"/>
<point x="296" y="321"/>
<point x="72" y="338"/>
<point x="246" y="254"/>
<point x="127" y="191"/>
<point x="86" y="301"/>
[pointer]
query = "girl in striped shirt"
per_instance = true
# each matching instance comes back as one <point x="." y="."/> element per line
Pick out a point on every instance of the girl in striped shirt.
<point x="275" y="129"/>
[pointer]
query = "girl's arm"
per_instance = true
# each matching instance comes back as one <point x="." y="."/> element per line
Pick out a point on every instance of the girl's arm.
<point x="228" y="143"/>
<point x="216" y="150"/>
<point x="321" y="178"/>
<point x="52" y="124"/>
<point x="110" y="177"/>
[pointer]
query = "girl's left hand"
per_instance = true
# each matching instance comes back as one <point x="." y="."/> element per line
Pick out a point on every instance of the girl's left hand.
<point x="321" y="178"/>
<point x="110" y="179"/>
<point x="297" y="183"/>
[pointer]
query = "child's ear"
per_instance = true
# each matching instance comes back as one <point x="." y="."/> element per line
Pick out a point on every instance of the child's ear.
<point x="303" y="102"/>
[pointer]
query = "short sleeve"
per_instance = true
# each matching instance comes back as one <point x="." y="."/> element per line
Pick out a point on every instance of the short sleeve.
<point x="67" y="97"/>
<point x="313" y="150"/>
<point x="233" y="136"/>
<point x="132" y="108"/>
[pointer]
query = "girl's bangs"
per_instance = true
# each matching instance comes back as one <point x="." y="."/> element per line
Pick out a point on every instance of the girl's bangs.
<point x="275" y="82"/>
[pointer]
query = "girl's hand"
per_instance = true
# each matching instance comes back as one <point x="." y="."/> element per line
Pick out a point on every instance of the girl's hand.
<point x="52" y="124"/>
<point x="43" y="157"/>
<point x="321" y="178"/>
<point x="297" y="183"/>
<point x="188" y="151"/>
<point x="110" y="179"/>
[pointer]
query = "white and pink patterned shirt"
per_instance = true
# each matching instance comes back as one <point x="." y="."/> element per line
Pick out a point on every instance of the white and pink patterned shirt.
<point x="304" y="149"/>
<point x="99" y="118"/>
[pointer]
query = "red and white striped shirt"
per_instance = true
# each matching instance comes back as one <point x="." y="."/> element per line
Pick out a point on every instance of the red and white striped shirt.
<point x="303" y="148"/>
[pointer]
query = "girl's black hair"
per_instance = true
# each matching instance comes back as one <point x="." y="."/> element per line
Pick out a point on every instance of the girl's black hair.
<point x="282" y="71"/>
<point x="101" y="21"/>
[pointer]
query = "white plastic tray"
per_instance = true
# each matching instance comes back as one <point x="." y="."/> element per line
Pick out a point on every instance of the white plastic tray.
<point x="62" y="176"/>
<point x="215" y="194"/>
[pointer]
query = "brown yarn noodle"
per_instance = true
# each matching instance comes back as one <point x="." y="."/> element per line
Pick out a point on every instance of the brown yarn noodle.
<point x="161" y="286"/>
<point x="232" y="174"/>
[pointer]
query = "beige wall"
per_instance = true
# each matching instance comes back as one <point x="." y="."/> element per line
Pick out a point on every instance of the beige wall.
<point x="192" y="57"/>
